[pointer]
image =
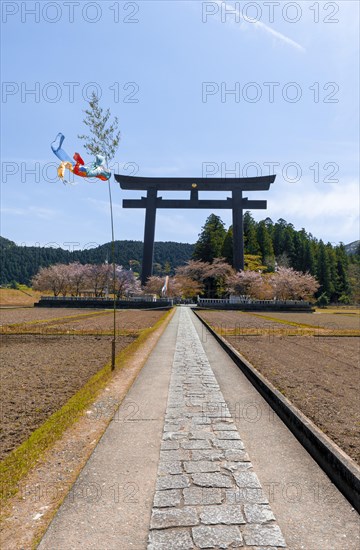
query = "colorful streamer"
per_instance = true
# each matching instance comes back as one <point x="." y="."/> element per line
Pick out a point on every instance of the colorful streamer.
<point x="95" y="169"/>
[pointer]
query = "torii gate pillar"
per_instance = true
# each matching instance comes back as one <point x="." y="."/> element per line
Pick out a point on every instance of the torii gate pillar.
<point x="149" y="235"/>
<point x="238" y="231"/>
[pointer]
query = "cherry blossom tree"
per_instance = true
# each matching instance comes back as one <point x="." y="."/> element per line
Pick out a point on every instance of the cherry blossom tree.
<point x="98" y="278"/>
<point x="284" y="284"/>
<point x="219" y="273"/>
<point x="179" y="286"/>
<point x="125" y="282"/>
<point x="195" y="270"/>
<point x="154" y="285"/>
<point x="74" y="278"/>
<point x="188" y="288"/>
<point x="247" y="283"/>
<point x="53" y="278"/>
<point x="288" y="284"/>
<point x="213" y="276"/>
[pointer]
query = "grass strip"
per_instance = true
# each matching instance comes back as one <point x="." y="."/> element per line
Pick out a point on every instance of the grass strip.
<point x="22" y="459"/>
<point x="355" y="310"/>
<point x="70" y="333"/>
<point x="308" y="332"/>
<point x="283" y="321"/>
<point x="262" y="332"/>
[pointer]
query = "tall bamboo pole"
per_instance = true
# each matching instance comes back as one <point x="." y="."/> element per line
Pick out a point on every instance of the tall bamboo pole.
<point x="113" y="343"/>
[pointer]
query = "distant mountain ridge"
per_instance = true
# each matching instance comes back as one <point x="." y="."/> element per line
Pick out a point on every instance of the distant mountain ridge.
<point x="21" y="263"/>
<point x="352" y="248"/>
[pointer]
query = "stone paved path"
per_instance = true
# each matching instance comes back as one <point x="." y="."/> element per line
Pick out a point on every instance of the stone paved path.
<point x="207" y="493"/>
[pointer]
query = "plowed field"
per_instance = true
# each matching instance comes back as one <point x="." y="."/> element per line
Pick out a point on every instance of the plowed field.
<point x="316" y="370"/>
<point x="49" y="355"/>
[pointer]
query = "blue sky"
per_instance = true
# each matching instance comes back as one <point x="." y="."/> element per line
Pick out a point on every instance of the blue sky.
<point x="198" y="88"/>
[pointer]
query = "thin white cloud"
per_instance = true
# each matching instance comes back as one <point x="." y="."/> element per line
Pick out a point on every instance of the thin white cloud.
<point x="13" y="211"/>
<point x="279" y="35"/>
<point x="334" y="211"/>
<point x="262" y="26"/>
<point x="336" y="199"/>
<point x="103" y="205"/>
<point x="33" y="211"/>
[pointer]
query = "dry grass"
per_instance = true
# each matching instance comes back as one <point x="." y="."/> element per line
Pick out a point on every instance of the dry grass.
<point x="23" y="297"/>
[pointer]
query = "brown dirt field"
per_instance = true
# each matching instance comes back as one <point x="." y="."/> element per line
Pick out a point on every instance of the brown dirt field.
<point x="27" y="518"/>
<point x="319" y="375"/>
<point x="84" y="321"/>
<point x="227" y="320"/>
<point x="26" y="315"/>
<point x="230" y="322"/>
<point x="333" y="321"/>
<point x="126" y="320"/>
<point x="39" y="374"/>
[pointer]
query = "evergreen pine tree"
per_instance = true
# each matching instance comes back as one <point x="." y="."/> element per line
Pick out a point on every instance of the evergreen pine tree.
<point x="323" y="271"/>
<point x="309" y="258"/>
<point x="211" y="240"/>
<point x="227" y="248"/>
<point x="297" y="258"/>
<point x="334" y="279"/>
<point x="265" y="244"/>
<point x="250" y="235"/>
<point x="279" y="236"/>
<point x="288" y="242"/>
<point x="342" y="266"/>
<point x="270" y="227"/>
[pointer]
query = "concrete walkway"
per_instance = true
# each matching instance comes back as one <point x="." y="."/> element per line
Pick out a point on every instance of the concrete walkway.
<point x="172" y="472"/>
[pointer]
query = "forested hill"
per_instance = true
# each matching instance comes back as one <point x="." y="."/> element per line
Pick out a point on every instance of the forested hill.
<point x="21" y="263"/>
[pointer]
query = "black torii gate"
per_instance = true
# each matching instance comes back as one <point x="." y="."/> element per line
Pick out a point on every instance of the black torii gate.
<point x="151" y="202"/>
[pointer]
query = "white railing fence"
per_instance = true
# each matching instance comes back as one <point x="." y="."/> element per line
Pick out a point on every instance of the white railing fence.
<point x="251" y="301"/>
